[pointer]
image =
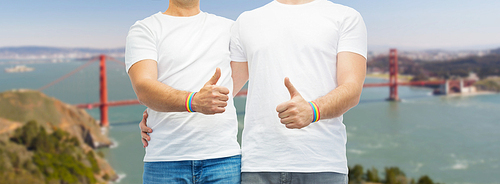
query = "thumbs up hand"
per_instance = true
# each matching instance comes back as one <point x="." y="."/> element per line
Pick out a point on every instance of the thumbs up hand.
<point x="295" y="113"/>
<point x="211" y="99"/>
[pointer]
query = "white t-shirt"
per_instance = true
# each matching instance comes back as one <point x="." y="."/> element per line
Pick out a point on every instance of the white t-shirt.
<point x="187" y="50"/>
<point x="300" y="42"/>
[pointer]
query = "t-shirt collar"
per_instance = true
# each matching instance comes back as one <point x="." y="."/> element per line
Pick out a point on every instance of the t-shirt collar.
<point x="177" y="17"/>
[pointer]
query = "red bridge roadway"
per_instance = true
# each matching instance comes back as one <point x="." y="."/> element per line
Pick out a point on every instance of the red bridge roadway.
<point x="414" y="83"/>
<point x="244" y="93"/>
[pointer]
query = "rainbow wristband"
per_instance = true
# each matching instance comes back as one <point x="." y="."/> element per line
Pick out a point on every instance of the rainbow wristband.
<point x="189" y="100"/>
<point x="316" y="114"/>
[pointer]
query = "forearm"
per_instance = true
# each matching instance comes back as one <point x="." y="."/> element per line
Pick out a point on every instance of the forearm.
<point x="339" y="101"/>
<point x="160" y="97"/>
<point x="351" y="73"/>
<point x="239" y="75"/>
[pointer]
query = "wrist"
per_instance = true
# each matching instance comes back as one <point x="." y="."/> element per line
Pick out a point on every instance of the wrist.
<point x="189" y="102"/>
<point x="315" y="111"/>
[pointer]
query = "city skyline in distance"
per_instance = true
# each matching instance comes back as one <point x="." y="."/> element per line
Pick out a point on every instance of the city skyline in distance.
<point x="44" y="52"/>
<point x="404" y="24"/>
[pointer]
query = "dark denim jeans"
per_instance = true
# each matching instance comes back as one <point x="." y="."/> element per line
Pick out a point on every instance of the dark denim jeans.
<point x="219" y="170"/>
<point x="293" y="178"/>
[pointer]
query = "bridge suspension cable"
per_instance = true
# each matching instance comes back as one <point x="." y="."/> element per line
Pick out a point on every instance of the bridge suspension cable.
<point x="68" y="75"/>
<point x="115" y="60"/>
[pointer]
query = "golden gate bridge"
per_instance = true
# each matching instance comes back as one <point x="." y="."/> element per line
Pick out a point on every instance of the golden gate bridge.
<point x="104" y="103"/>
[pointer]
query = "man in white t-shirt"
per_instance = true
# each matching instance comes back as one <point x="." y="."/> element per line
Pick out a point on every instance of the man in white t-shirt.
<point x="305" y="61"/>
<point x="169" y="57"/>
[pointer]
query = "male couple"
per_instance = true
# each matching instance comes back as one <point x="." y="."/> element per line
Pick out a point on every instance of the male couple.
<point x="305" y="61"/>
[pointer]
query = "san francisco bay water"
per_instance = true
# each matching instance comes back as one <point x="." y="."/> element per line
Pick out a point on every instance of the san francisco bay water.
<point x="451" y="139"/>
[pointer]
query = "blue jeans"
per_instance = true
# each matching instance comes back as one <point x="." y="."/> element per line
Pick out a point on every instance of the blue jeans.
<point x="293" y="178"/>
<point x="218" y="170"/>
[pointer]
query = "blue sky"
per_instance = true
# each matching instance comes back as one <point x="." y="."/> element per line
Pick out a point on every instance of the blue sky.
<point x="406" y="24"/>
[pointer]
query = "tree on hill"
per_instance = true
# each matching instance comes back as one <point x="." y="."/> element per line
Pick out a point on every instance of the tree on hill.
<point x="356" y="174"/>
<point x="56" y="157"/>
<point x="393" y="175"/>
<point x="425" y="180"/>
<point x="372" y="175"/>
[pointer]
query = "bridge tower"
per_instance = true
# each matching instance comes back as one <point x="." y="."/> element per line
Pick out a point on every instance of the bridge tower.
<point x="393" y="75"/>
<point x="103" y="92"/>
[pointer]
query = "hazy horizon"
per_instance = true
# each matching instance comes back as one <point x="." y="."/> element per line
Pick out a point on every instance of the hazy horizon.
<point x="371" y="48"/>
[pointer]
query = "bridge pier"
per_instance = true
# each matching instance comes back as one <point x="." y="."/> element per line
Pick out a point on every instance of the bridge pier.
<point x="103" y="92"/>
<point x="393" y="75"/>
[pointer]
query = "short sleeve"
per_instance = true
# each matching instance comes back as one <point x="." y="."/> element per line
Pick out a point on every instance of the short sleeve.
<point x="140" y="45"/>
<point x="237" y="52"/>
<point x="353" y="36"/>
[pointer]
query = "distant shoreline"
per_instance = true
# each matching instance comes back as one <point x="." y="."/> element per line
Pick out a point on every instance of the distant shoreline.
<point x="406" y="78"/>
<point x="471" y="94"/>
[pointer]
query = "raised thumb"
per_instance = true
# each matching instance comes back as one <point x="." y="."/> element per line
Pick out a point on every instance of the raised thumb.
<point x="215" y="77"/>
<point x="291" y="89"/>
